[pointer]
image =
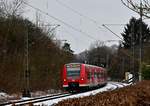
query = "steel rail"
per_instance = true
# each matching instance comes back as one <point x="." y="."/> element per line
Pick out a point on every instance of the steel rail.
<point x="20" y="102"/>
<point x="117" y="84"/>
<point x="49" y="97"/>
<point x="42" y="100"/>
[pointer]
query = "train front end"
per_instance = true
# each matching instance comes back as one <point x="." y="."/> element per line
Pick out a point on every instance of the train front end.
<point x="73" y="76"/>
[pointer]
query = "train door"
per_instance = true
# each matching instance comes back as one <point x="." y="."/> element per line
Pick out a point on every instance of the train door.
<point x="95" y="77"/>
<point x="90" y="76"/>
<point x="103" y="78"/>
<point x="100" y="76"/>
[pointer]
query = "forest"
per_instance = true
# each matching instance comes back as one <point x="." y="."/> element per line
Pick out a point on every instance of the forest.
<point x="28" y="50"/>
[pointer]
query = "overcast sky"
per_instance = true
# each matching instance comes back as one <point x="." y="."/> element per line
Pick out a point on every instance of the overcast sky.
<point x="102" y="11"/>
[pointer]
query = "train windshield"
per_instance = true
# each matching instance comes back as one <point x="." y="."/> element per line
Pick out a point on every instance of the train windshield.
<point x="73" y="70"/>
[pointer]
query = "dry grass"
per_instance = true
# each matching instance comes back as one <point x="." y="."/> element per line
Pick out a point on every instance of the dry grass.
<point x="135" y="95"/>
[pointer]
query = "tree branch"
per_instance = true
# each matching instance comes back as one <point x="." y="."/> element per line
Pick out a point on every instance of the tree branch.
<point x="136" y="7"/>
<point x="11" y="7"/>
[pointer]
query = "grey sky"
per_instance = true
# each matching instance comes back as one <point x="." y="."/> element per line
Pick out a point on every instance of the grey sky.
<point x="102" y="11"/>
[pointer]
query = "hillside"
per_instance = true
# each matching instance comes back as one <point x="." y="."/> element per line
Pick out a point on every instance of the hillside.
<point x="26" y="46"/>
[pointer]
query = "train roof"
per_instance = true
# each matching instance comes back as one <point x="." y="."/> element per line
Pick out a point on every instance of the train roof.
<point x="86" y="65"/>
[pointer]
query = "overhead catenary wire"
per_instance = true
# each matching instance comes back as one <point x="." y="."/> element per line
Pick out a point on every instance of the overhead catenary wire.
<point x="94" y="21"/>
<point x="74" y="37"/>
<point x="80" y="14"/>
<point x="59" y="20"/>
<point x="112" y="32"/>
<point x="116" y="24"/>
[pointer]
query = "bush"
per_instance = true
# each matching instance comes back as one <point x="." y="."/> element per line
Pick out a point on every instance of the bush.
<point x="146" y="72"/>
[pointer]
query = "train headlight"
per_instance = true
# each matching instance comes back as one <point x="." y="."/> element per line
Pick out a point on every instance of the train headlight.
<point x="64" y="80"/>
<point x="82" y="79"/>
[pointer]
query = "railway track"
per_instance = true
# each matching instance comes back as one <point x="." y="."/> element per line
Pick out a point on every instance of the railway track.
<point x="117" y="84"/>
<point x="28" y="102"/>
<point x="35" y="100"/>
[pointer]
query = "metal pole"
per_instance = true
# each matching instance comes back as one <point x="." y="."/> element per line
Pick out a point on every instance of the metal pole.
<point x="26" y="92"/>
<point x="27" y="68"/>
<point x="107" y="61"/>
<point x="140" y="43"/>
<point x="123" y="64"/>
<point x="132" y="48"/>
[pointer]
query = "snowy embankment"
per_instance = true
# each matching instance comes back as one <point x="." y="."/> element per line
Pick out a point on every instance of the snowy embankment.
<point x="108" y="87"/>
<point x="4" y="97"/>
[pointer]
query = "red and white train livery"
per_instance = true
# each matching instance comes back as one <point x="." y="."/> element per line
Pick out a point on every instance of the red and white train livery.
<point x="78" y="75"/>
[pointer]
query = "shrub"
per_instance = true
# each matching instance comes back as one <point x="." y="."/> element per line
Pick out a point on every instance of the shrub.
<point x="146" y="72"/>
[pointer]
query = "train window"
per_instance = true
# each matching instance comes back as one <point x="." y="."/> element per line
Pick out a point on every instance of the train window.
<point x="73" y="72"/>
<point x="103" y="74"/>
<point x="95" y="75"/>
<point x="88" y="75"/>
<point x="99" y="76"/>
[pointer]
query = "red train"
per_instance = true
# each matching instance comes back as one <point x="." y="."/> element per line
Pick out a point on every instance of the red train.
<point x="77" y="76"/>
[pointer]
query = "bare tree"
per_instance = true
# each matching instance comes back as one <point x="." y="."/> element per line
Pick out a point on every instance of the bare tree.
<point x="138" y="6"/>
<point x="97" y="44"/>
<point x="11" y="7"/>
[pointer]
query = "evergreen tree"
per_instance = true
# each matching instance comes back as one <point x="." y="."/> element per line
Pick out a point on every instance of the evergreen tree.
<point x="67" y="48"/>
<point x="131" y="34"/>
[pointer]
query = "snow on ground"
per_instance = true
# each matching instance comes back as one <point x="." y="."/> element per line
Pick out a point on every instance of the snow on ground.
<point x="109" y="86"/>
<point x="3" y="95"/>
